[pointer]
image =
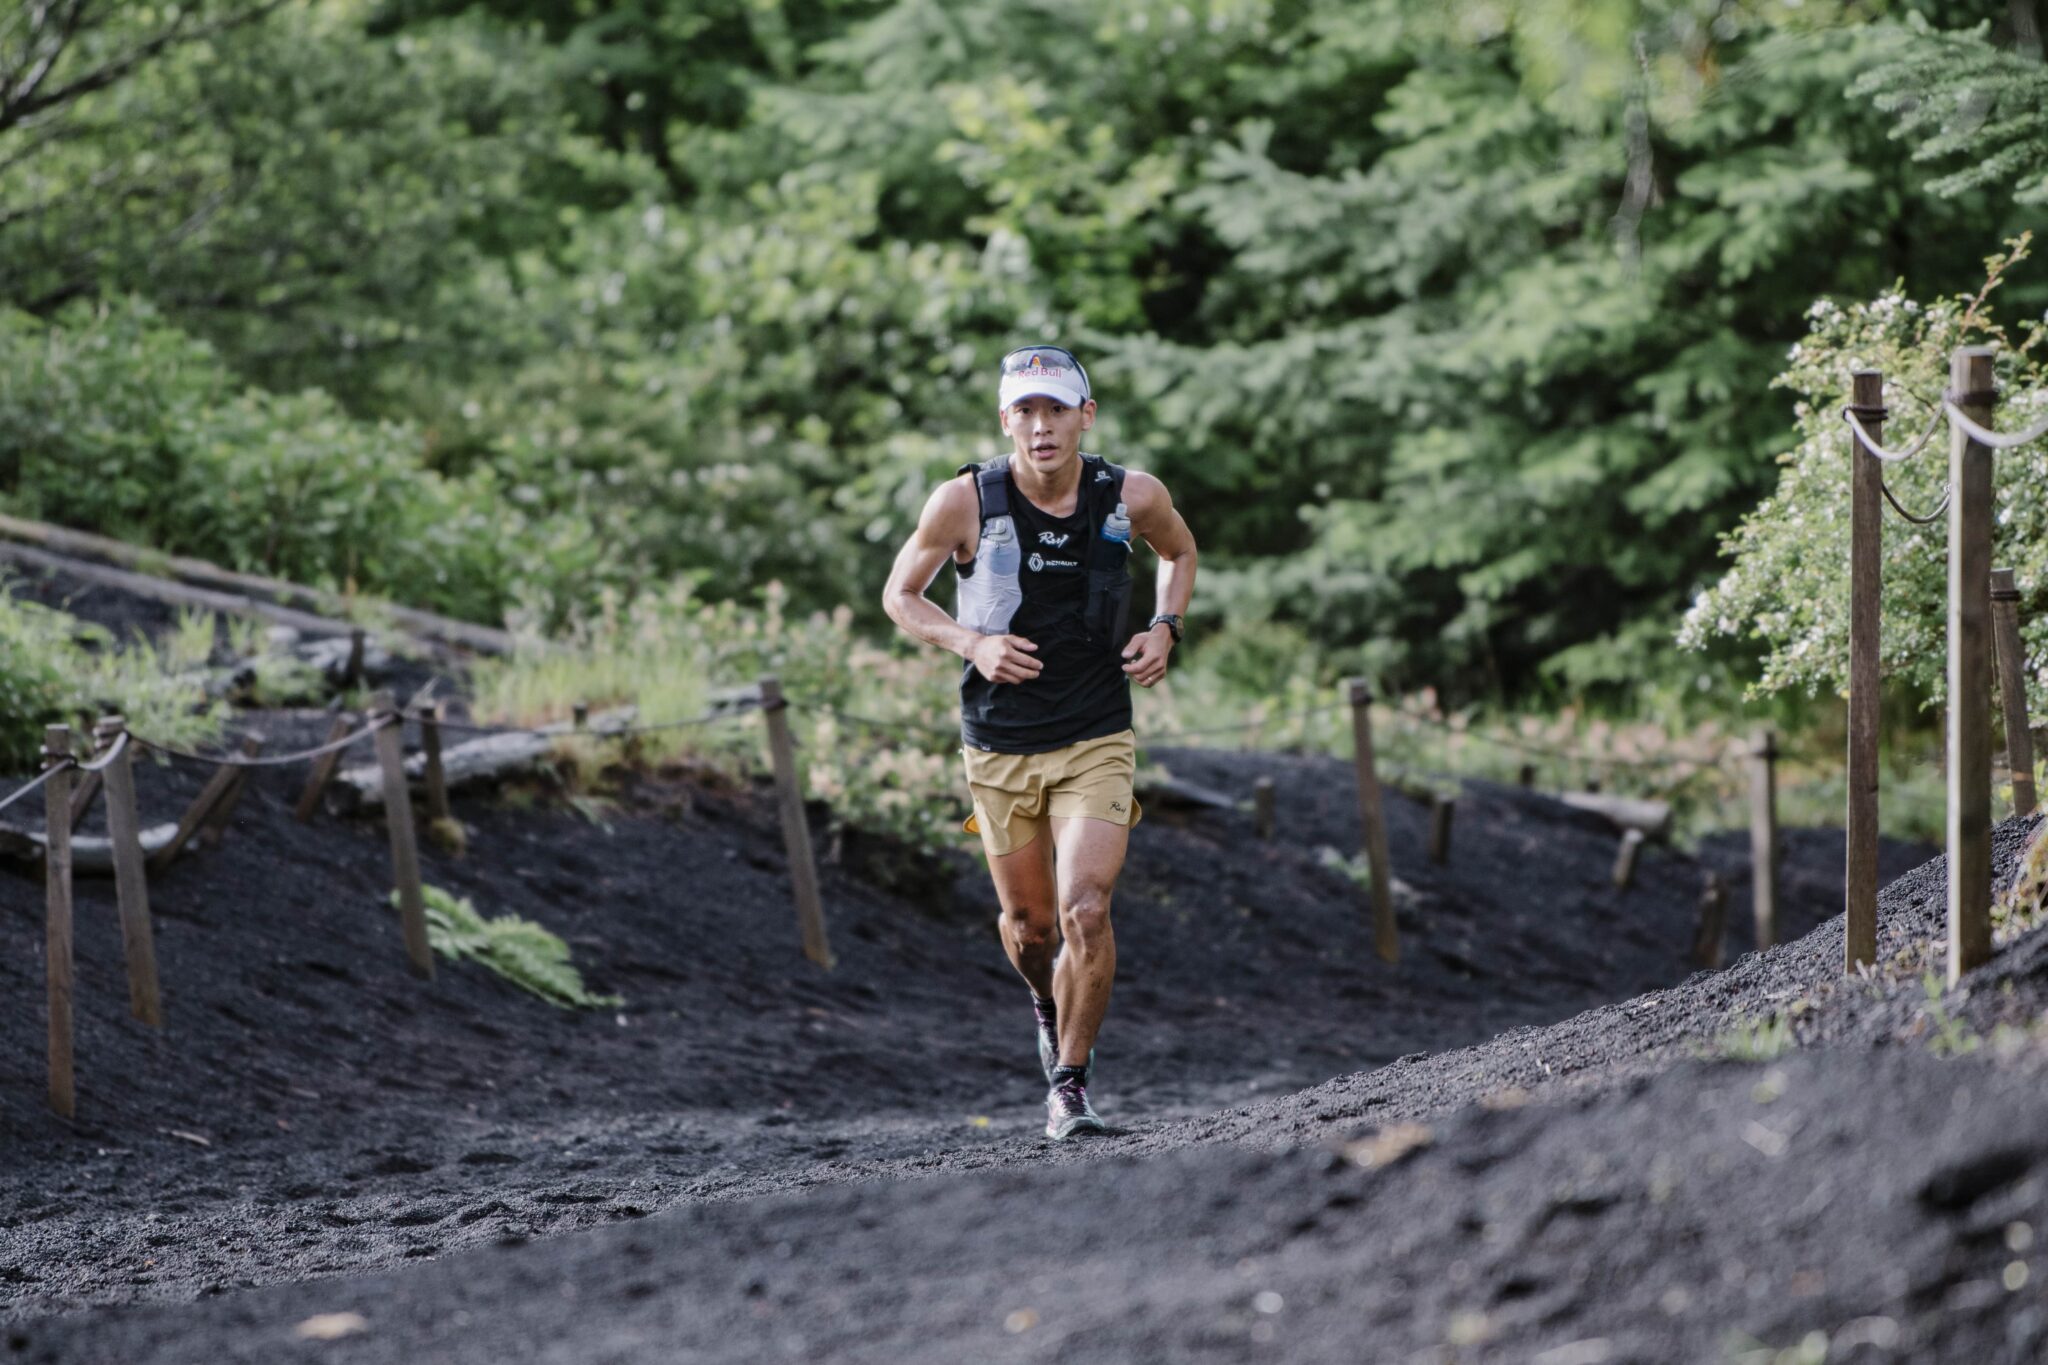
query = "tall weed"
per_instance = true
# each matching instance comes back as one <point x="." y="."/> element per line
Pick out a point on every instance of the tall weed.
<point x="56" y="669"/>
<point x="876" y="725"/>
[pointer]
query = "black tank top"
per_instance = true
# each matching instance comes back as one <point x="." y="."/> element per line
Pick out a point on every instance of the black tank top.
<point x="1082" y="692"/>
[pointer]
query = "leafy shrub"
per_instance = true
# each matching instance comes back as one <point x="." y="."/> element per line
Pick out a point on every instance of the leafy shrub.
<point x="517" y="949"/>
<point x="112" y="420"/>
<point x="1788" y="586"/>
<point x="56" y="669"/>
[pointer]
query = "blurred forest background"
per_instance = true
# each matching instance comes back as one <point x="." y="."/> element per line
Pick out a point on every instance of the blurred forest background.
<point x="1452" y="324"/>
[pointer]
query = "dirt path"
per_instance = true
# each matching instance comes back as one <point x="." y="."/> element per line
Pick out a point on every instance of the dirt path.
<point x="1712" y="1208"/>
<point x="354" y="1118"/>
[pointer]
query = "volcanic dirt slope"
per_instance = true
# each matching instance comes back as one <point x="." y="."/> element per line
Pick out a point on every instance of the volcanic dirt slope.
<point x="354" y="1117"/>
<point x="1853" y="1202"/>
<point x="355" y="1120"/>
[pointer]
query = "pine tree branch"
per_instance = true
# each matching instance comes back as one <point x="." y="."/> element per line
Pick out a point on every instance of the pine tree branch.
<point x="24" y="97"/>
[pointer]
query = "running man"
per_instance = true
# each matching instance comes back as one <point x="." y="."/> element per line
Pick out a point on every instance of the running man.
<point x="1040" y="539"/>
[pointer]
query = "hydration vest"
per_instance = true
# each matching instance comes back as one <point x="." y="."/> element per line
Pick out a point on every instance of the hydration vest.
<point x="990" y="591"/>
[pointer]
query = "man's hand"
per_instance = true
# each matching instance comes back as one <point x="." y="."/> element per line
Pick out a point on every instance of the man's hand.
<point x="1005" y="658"/>
<point x="1145" y="656"/>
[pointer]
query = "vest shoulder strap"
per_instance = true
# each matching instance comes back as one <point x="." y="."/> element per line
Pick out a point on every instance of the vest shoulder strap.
<point x="991" y="484"/>
<point x="1103" y="485"/>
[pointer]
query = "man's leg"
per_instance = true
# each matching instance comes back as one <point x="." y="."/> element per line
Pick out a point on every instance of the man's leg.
<point x="1026" y="892"/>
<point x="1091" y="855"/>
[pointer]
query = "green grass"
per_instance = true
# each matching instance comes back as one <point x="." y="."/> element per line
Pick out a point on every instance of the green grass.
<point x="1754" y="1040"/>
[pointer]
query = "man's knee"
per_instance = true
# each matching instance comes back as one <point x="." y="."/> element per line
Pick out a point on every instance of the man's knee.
<point x="1029" y="927"/>
<point x="1085" y="915"/>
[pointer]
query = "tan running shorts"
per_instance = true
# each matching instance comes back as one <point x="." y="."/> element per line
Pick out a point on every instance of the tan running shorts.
<point x="1016" y="794"/>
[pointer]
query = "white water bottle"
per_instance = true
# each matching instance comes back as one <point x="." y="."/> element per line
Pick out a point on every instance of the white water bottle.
<point x="991" y="596"/>
<point x="1117" y="526"/>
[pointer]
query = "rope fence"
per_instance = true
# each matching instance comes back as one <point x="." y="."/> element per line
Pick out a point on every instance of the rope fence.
<point x="1983" y="632"/>
<point x="1983" y="611"/>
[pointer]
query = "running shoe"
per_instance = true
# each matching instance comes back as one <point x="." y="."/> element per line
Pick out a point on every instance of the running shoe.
<point x="1067" y="1112"/>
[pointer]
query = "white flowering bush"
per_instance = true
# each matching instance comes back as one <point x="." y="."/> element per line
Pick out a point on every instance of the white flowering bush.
<point x="1788" y="586"/>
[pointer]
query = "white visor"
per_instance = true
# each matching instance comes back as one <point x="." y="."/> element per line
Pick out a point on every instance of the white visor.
<point x="1054" y="382"/>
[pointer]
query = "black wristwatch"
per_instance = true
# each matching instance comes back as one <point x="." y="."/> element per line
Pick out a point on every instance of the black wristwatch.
<point x="1172" y="624"/>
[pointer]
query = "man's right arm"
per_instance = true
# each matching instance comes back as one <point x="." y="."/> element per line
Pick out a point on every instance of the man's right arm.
<point x="947" y="527"/>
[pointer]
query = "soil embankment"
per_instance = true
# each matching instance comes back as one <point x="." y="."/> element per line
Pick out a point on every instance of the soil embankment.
<point x="1502" y="1146"/>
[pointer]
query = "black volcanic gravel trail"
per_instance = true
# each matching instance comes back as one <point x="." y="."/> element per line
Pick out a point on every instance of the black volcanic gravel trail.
<point x="1716" y="1207"/>
<point x="352" y="1117"/>
<point x="768" y="1161"/>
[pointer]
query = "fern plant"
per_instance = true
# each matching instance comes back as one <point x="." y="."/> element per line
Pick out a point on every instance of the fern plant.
<point x="519" y="950"/>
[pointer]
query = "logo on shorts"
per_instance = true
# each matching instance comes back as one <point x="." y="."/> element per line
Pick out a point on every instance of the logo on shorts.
<point x="1117" y="806"/>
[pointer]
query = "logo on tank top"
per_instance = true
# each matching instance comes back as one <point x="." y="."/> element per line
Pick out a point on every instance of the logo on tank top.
<point x="1039" y="563"/>
<point x="1052" y="539"/>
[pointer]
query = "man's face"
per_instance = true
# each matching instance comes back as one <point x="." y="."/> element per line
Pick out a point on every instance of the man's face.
<point x="1044" y="432"/>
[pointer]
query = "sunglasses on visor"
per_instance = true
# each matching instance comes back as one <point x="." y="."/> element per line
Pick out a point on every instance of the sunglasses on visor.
<point x="1026" y="359"/>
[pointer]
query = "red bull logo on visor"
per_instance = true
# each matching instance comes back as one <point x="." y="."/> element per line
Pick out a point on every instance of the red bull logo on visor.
<point x="1061" y="375"/>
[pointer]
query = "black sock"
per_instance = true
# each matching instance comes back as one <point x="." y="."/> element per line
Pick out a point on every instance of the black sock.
<point x="1062" y="1074"/>
<point x="1048" y="1013"/>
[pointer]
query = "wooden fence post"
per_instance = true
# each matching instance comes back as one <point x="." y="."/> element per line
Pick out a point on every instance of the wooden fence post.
<point x="1442" y="809"/>
<point x="1969" y="686"/>
<point x="57" y="925"/>
<point x="437" y="777"/>
<point x="1706" y="944"/>
<point x="1625" y="858"/>
<point x="2012" y="688"/>
<point x="1527" y="775"/>
<point x="215" y="827"/>
<point x="352" y="673"/>
<point x="195" y="815"/>
<point x="796" y="830"/>
<point x="1372" y="818"/>
<point x="405" y="852"/>
<point x="323" y="771"/>
<point x="1262" y="807"/>
<point x="1866" y="543"/>
<point x="1763" y="836"/>
<point x="83" y="794"/>
<point x="131" y="884"/>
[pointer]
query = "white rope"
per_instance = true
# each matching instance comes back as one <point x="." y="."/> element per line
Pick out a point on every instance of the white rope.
<point x="1889" y="456"/>
<point x="47" y="774"/>
<point x="106" y="760"/>
<point x="1996" y="440"/>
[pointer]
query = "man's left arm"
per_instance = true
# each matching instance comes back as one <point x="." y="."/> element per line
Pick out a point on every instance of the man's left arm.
<point x="1154" y="517"/>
